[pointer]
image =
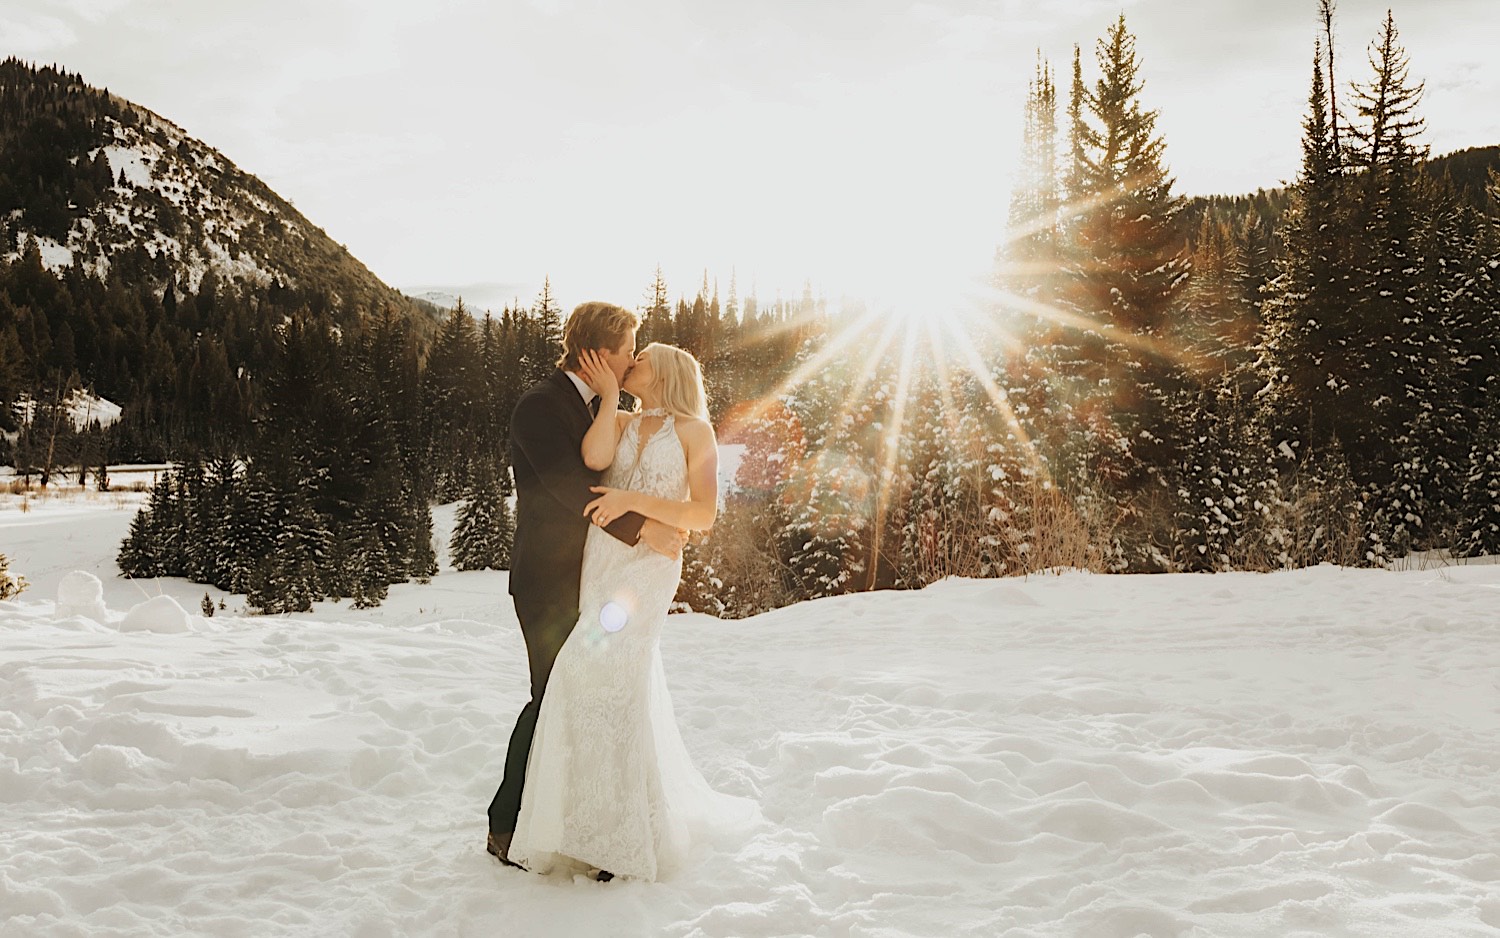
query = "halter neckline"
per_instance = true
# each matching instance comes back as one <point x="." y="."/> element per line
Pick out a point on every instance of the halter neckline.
<point x="654" y="412"/>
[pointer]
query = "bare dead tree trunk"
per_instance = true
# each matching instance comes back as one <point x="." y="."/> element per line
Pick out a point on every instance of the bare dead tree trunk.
<point x="85" y="450"/>
<point x="1325" y="13"/>
<point x="52" y="439"/>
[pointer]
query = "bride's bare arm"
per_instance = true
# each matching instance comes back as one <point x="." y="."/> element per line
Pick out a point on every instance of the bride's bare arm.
<point x="695" y="514"/>
<point x="600" y="443"/>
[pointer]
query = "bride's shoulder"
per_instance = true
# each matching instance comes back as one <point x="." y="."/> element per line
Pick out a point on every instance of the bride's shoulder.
<point x="695" y="428"/>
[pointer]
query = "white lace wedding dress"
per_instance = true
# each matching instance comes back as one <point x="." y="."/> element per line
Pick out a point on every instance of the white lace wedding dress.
<point x="609" y="784"/>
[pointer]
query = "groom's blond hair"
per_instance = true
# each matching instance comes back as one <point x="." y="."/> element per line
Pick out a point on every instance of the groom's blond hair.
<point x="595" y="325"/>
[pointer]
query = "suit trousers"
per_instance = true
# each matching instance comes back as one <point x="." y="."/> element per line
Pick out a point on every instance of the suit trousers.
<point x="546" y="624"/>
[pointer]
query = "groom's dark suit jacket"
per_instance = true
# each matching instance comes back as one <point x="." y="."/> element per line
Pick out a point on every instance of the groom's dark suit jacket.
<point x="552" y="488"/>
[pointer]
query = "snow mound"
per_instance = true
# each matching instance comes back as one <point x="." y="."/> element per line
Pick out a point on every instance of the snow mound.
<point x="157" y="614"/>
<point x="81" y="594"/>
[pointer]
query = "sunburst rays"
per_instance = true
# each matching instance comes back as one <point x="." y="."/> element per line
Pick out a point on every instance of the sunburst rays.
<point x="942" y="368"/>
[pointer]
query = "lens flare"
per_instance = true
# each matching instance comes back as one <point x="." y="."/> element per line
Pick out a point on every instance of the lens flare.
<point x="612" y="617"/>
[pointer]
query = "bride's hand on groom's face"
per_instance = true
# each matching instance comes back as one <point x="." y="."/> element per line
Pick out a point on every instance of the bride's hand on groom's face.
<point x="597" y="374"/>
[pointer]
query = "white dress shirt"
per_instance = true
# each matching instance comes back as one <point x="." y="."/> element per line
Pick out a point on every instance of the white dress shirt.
<point x="583" y="388"/>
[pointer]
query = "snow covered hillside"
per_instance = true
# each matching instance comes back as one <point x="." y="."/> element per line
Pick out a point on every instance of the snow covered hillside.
<point x="81" y="407"/>
<point x="165" y="176"/>
<point x="112" y="187"/>
<point x="1308" y="753"/>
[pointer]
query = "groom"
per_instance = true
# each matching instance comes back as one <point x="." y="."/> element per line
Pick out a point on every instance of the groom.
<point x="552" y="488"/>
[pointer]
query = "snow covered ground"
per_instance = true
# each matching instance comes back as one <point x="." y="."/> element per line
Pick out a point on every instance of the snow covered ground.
<point x="1307" y="753"/>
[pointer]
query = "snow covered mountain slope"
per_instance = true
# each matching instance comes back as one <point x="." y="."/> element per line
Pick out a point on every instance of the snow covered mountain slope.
<point x="91" y="179"/>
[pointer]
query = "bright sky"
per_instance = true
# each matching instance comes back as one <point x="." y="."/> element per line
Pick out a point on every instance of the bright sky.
<point x="482" y="144"/>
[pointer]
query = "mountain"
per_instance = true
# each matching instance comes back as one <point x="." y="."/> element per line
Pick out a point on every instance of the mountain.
<point x="1468" y="171"/>
<point x="477" y="297"/>
<point x="1465" y="172"/>
<point x="94" y="181"/>
<point x="140" y="265"/>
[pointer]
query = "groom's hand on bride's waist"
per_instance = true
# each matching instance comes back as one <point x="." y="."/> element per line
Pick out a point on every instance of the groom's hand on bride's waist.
<point x="665" y="540"/>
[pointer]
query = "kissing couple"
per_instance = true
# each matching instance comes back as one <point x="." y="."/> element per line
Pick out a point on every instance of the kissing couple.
<point x="597" y="778"/>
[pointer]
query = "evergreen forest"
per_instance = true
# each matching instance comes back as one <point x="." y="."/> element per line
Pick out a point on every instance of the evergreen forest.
<point x="1154" y="383"/>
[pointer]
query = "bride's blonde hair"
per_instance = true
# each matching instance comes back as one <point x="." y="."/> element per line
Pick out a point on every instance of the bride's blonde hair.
<point x="679" y="380"/>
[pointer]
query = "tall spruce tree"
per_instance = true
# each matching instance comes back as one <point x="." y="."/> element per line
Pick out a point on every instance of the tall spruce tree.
<point x="451" y="393"/>
<point x="1124" y="264"/>
<point x="485" y="530"/>
<point x="1399" y="354"/>
<point x="1304" y="349"/>
<point x="1036" y="196"/>
<point x="546" y="335"/>
<point x="148" y="549"/>
<point x="1218" y="320"/>
<point x="1027" y="262"/>
<point x="656" y="316"/>
<point x="1478" y="530"/>
<point x="1126" y="261"/>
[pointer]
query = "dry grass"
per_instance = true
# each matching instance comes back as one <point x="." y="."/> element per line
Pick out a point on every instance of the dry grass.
<point x="1062" y="532"/>
<point x="1315" y="527"/>
<point x="741" y="549"/>
<point x="23" y="495"/>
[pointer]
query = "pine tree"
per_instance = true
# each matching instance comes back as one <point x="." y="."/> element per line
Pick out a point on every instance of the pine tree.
<point x="372" y="572"/>
<point x="546" y="337"/>
<point x="485" y="530"/>
<point x="1325" y="13"/>
<point x="451" y="392"/>
<point x="824" y="542"/>
<point x="1329" y="520"/>
<point x="1127" y="264"/>
<point x="1218" y="321"/>
<point x="1401" y="359"/>
<point x="1304" y="350"/>
<point x="1124" y="265"/>
<point x="1028" y="261"/>
<point x="421" y="559"/>
<point x="146" y="551"/>
<point x="248" y="516"/>
<point x="1205" y="509"/>
<point x="656" y="319"/>
<point x="302" y="551"/>
<point x="198" y="557"/>
<point x="1081" y="137"/>
<point x="1479" y="515"/>
<point x="1390" y="286"/>
<point x="265" y="592"/>
<point x="10" y="586"/>
<point x="493" y="418"/>
<point x="1226" y="485"/>
<point x="950" y="474"/>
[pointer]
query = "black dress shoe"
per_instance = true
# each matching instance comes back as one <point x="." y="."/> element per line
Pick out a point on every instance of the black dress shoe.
<point x="498" y="852"/>
<point x="604" y="876"/>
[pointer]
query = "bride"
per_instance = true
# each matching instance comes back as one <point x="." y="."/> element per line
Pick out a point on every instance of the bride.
<point x="610" y="789"/>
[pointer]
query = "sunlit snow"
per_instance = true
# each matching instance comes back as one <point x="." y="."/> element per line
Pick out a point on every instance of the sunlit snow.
<point x="1309" y="753"/>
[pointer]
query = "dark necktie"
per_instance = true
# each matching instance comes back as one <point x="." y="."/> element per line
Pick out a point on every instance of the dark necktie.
<point x="594" y="406"/>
